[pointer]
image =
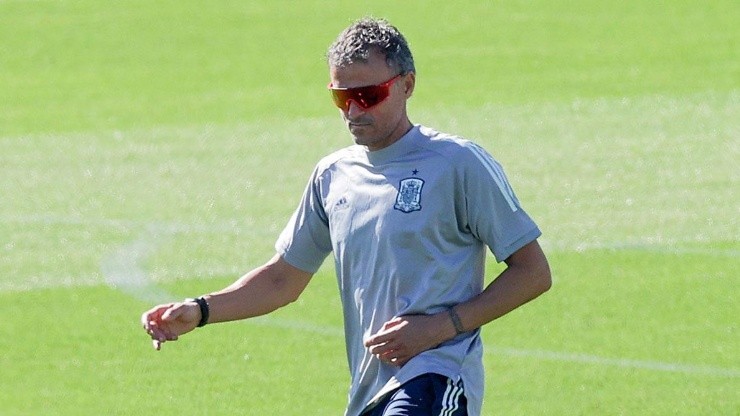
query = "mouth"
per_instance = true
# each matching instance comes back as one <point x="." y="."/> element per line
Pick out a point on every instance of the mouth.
<point x="355" y="124"/>
<point x="359" y="122"/>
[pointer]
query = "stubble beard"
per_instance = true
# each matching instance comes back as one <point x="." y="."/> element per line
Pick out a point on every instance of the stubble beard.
<point x="365" y="133"/>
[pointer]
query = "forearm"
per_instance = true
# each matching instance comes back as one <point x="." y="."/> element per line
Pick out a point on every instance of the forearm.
<point x="259" y="292"/>
<point x="526" y="277"/>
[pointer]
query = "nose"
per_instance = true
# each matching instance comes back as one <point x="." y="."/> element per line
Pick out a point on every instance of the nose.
<point x="353" y="109"/>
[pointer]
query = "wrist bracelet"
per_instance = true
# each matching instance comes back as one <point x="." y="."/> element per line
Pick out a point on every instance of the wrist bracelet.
<point x="456" y="321"/>
<point x="204" y="310"/>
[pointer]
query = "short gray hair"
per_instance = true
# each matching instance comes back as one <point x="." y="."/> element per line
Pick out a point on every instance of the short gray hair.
<point x="355" y="43"/>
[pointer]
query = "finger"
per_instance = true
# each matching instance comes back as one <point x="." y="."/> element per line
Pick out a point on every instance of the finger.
<point x="160" y="333"/>
<point x="390" y="349"/>
<point x="154" y="314"/>
<point x="165" y="333"/>
<point x="147" y="320"/>
<point x="373" y="340"/>
<point x="396" y="350"/>
<point x="379" y="349"/>
<point x="150" y="326"/>
<point x="400" y="361"/>
<point x="385" y="332"/>
<point x="381" y="337"/>
<point x="173" y="312"/>
<point x="394" y="358"/>
<point x="390" y="324"/>
<point x="388" y="355"/>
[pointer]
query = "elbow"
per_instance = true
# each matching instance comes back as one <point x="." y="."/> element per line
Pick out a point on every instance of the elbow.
<point x="532" y="265"/>
<point x="287" y="291"/>
<point x="290" y="297"/>
<point x="286" y="282"/>
<point x="538" y="276"/>
<point x="546" y="282"/>
<point x="285" y="296"/>
<point x="544" y="278"/>
<point x="541" y="274"/>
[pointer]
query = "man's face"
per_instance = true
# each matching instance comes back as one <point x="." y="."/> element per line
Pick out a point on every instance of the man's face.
<point x="381" y="125"/>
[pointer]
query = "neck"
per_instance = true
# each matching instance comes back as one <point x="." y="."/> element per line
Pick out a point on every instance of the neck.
<point x="404" y="126"/>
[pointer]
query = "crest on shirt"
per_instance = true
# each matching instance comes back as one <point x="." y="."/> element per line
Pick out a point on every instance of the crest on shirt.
<point x="409" y="195"/>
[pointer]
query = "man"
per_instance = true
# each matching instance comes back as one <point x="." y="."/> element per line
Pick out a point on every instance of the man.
<point x="409" y="214"/>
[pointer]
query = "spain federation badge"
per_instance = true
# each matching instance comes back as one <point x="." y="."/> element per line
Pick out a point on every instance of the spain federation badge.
<point x="409" y="195"/>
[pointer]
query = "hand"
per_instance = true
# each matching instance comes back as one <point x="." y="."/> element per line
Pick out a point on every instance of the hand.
<point x="403" y="338"/>
<point x="167" y="322"/>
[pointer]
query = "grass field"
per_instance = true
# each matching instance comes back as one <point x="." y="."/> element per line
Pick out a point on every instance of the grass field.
<point x="154" y="150"/>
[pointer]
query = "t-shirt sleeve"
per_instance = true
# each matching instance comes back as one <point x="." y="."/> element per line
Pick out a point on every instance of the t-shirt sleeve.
<point x="493" y="212"/>
<point x="304" y="242"/>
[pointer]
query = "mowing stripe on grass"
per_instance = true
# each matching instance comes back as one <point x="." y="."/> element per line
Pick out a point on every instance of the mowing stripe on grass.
<point x="673" y="246"/>
<point x="123" y="270"/>
<point x="127" y="260"/>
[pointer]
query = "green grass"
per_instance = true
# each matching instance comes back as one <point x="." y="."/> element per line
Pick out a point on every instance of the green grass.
<point x="155" y="150"/>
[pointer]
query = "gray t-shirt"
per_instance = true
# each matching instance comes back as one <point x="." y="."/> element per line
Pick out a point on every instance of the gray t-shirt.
<point x="408" y="225"/>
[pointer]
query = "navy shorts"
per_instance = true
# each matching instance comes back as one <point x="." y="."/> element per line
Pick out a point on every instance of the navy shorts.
<point x="426" y="395"/>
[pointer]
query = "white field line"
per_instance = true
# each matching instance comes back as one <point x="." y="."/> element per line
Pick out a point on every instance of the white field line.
<point x="152" y="227"/>
<point x="673" y="246"/>
<point x="153" y="234"/>
<point x="52" y="281"/>
<point x="616" y="362"/>
<point x="165" y="229"/>
<point x="541" y="355"/>
<point x="122" y="269"/>
<point x="130" y="256"/>
<point x="48" y="281"/>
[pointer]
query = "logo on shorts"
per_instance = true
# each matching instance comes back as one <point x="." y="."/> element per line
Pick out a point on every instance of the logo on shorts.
<point x="409" y="195"/>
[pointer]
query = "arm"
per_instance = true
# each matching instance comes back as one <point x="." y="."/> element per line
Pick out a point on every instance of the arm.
<point x="527" y="276"/>
<point x="261" y="291"/>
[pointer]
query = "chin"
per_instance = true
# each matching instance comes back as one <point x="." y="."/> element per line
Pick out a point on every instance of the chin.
<point x="360" y="138"/>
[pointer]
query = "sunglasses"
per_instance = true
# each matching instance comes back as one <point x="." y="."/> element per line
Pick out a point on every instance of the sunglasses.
<point x="366" y="97"/>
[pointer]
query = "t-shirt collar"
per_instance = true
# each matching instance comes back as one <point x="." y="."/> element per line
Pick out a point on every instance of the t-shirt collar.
<point x="400" y="147"/>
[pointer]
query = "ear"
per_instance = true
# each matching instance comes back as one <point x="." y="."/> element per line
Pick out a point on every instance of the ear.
<point x="409" y="81"/>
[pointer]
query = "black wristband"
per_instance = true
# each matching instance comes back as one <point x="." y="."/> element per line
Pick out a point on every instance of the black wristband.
<point x="204" y="310"/>
<point x="459" y="329"/>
